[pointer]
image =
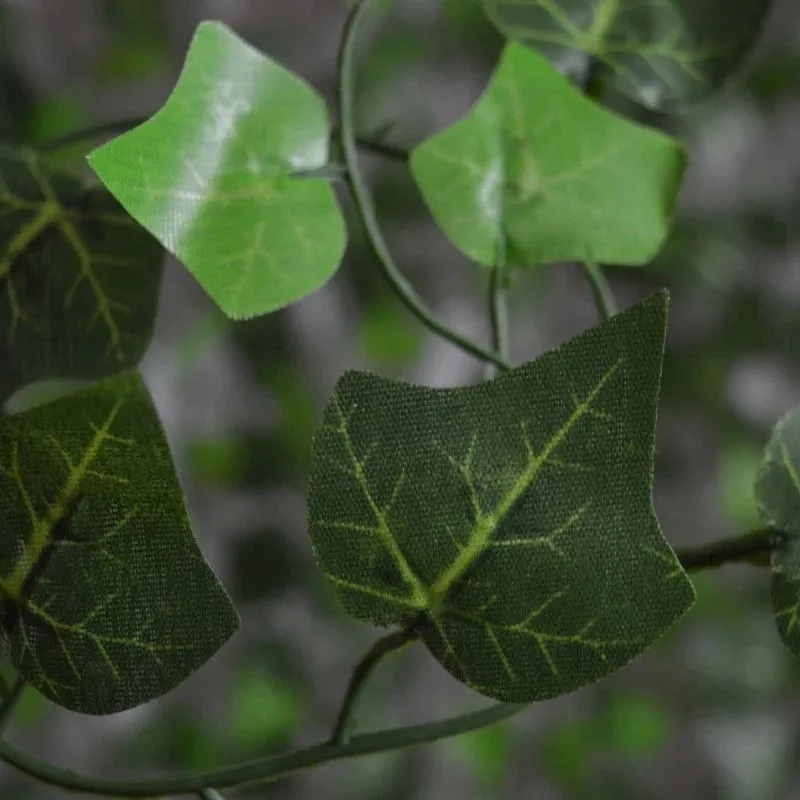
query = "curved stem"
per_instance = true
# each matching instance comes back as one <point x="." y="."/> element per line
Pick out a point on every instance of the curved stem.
<point x="366" y="207"/>
<point x="499" y="311"/>
<point x="389" y="151"/>
<point x="91" y="132"/>
<point x="10" y="702"/>
<point x="754" y="547"/>
<point x="260" y="771"/>
<point x="388" y="644"/>
<point x="601" y="291"/>
<point x="498" y="308"/>
<point x="101" y="129"/>
<point x="592" y="86"/>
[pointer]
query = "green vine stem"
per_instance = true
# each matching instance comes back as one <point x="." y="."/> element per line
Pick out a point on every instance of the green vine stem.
<point x="498" y="308"/>
<point x="262" y="770"/>
<point x="366" y="207"/>
<point x="98" y="131"/>
<point x="10" y="701"/>
<point x="102" y="129"/>
<point x="388" y="644"/>
<point x="601" y="291"/>
<point x="754" y="547"/>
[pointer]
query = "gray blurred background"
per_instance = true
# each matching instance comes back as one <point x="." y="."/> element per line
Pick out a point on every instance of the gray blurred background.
<point x="712" y="711"/>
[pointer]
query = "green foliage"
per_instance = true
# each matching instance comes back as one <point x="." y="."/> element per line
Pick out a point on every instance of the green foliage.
<point x="264" y="710"/>
<point x="508" y="525"/>
<point x="107" y="601"/>
<point x="79" y="279"/>
<point x="219" y="178"/>
<point x="488" y="751"/>
<point x="561" y="178"/>
<point x="486" y="515"/>
<point x="630" y="724"/>
<point x="386" y="335"/>
<point x="661" y="52"/>
<point x="778" y="496"/>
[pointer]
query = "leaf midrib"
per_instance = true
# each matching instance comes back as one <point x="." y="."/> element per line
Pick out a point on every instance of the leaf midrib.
<point x="481" y="535"/>
<point x="49" y="212"/>
<point x="41" y="534"/>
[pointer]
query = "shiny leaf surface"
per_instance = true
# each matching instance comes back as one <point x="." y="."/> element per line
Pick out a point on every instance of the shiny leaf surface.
<point x="560" y="177"/>
<point x="215" y="175"/>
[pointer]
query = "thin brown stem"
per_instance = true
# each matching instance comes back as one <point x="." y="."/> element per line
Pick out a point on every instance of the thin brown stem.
<point x="755" y="547"/>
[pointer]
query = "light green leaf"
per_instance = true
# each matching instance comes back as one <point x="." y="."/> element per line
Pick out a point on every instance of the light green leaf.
<point x="560" y="177"/>
<point x="511" y="521"/>
<point x="213" y="175"/>
<point x="659" y="52"/>
<point x="778" y="498"/>
<point x="107" y="601"/>
<point x="79" y="279"/>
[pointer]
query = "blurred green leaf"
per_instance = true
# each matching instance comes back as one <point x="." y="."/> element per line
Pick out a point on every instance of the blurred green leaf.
<point x="79" y="279"/>
<point x="177" y="738"/>
<point x="137" y="42"/>
<point x="537" y="164"/>
<point x="213" y="176"/>
<point x="778" y="496"/>
<point x="297" y="422"/>
<point x="488" y="751"/>
<point x="635" y="724"/>
<point x="775" y="78"/>
<point x="565" y="749"/>
<point x="56" y="116"/>
<point x="265" y="710"/>
<point x="389" y="336"/>
<point x="739" y="462"/>
<point x="660" y="52"/>
<point x="220" y="460"/>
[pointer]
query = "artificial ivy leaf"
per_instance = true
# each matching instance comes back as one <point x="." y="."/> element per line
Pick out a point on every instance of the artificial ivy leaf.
<point x="778" y="497"/>
<point x="511" y="521"/>
<point x="79" y="279"/>
<point x="213" y="175"/>
<point x="561" y="177"/>
<point x="661" y="52"/>
<point x="107" y="601"/>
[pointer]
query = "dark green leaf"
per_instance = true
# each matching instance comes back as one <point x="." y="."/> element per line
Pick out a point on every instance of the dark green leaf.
<point x="560" y="177"/>
<point x="513" y="520"/>
<point x="778" y="497"/>
<point x="660" y="52"/>
<point x="212" y="176"/>
<point x="79" y="279"/>
<point x="107" y="600"/>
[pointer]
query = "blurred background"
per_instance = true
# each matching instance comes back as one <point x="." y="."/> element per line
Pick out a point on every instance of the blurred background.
<point x="713" y="710"/>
